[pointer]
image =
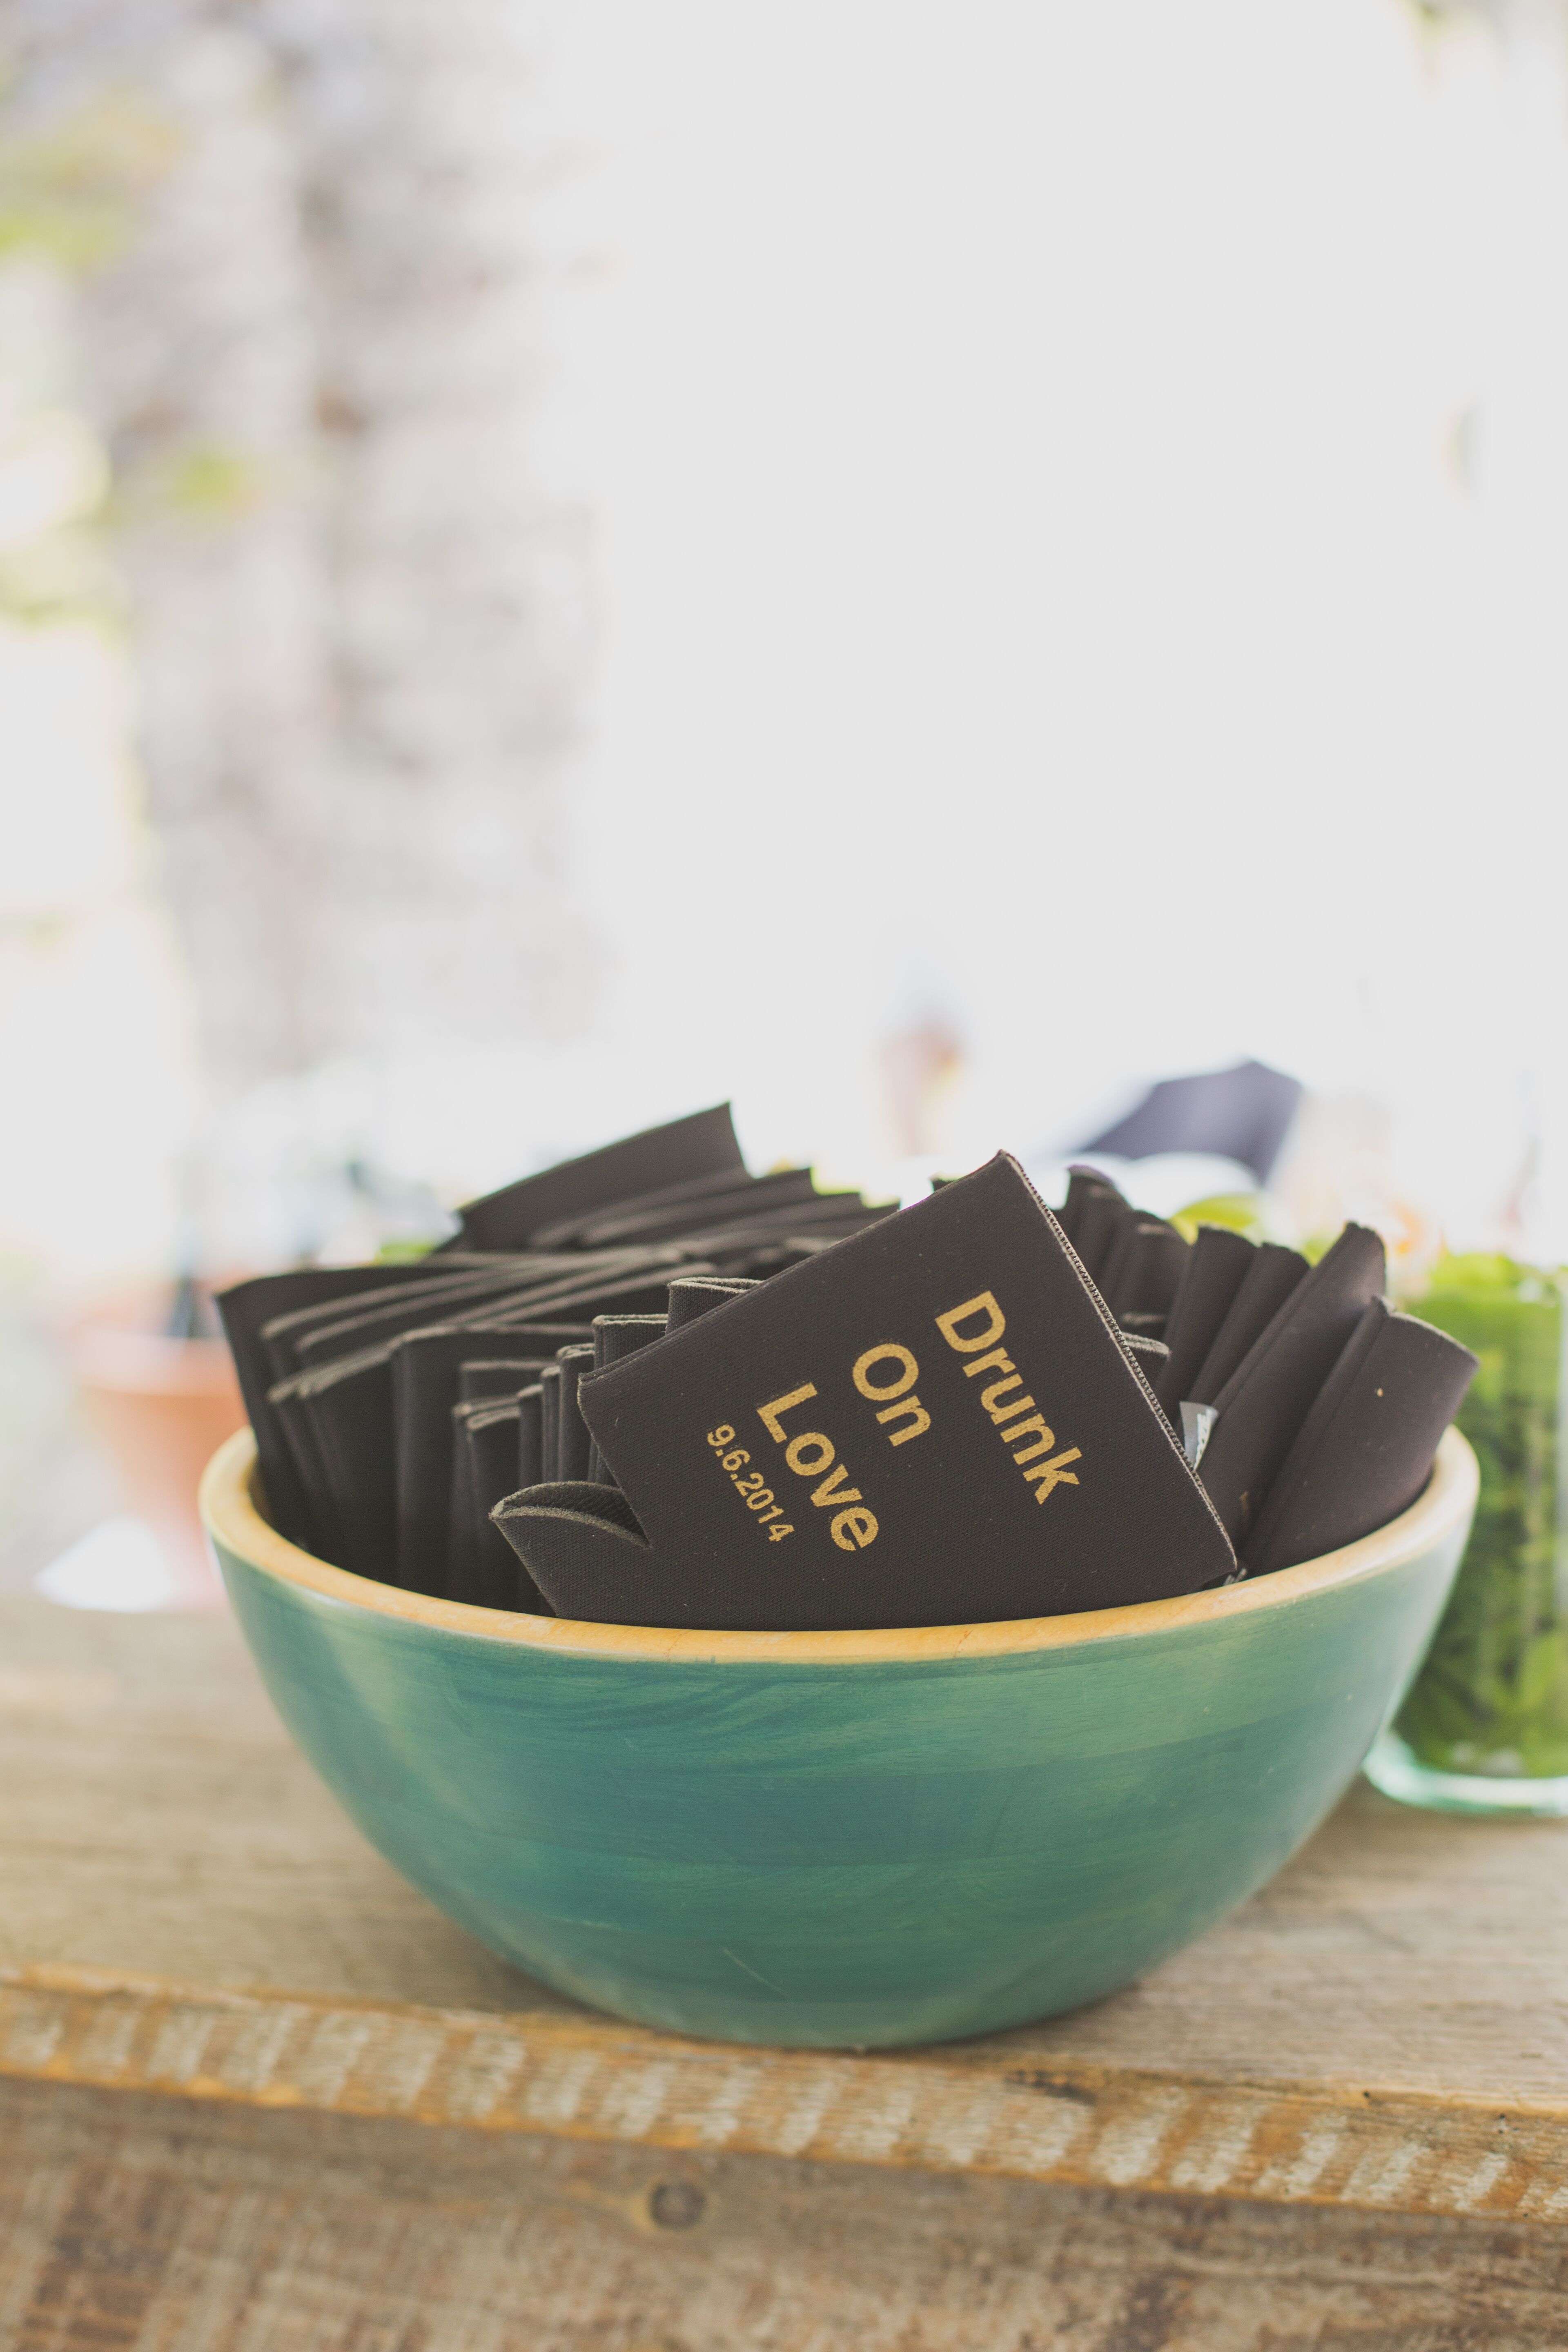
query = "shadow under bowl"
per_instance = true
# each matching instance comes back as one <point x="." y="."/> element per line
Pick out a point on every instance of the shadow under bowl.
<point x="844" y="1838"/>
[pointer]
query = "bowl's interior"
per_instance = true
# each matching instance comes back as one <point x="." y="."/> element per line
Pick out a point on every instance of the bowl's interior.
<point x="230" y="1508"/>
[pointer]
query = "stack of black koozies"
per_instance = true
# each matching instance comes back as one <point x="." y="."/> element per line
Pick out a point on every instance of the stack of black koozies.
<point x="394" y="1404"/>
<point x="637" y="1389"/>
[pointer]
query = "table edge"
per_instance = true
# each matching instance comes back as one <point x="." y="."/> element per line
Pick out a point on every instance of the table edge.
<point x="986" y="2107"/>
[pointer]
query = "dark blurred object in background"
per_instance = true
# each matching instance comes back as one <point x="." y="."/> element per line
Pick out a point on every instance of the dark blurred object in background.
<point x="1243" y="1114"/>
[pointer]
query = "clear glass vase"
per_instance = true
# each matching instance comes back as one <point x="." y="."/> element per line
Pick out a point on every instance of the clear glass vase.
<point x="1484" y="1728"/>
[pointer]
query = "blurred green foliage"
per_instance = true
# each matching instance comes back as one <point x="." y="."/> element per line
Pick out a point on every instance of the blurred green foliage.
<point x="207" y="479"/>
<point x="60" y="575"/>
<point x="70" y="191"/>
<point x="1238" y="1212"/>
<point x="1493" y="1698"/>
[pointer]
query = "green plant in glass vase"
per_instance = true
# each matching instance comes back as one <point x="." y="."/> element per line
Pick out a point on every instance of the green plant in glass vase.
<point x="1490" y="1704"/>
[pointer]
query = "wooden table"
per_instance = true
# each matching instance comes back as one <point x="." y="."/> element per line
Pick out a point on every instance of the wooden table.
<point x="256" y="2094"/>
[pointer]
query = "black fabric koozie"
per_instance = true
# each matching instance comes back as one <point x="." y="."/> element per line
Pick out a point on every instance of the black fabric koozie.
<point x="1093" y="1216"/>
<point x="599" y="1554"/>
<point x="483" y="1569"/>
<point x="573" y="1440"/>
<point x="1365" y="1451"/>
<point x="245" y="1309"/>
<point x="317" y="1335"/>
<point x="1271" y="1391"/>
<point x="427" y="1380"/>
<point x="1217" y="1265"/>
<point x="1273" y="1275"/>
<point x="577" y="1231"/>
<point x="615" y="1335"/>
<point x="529" y="1435"/>
<point x="935" y="1423"/>
<point x="700" y="1209"/>
<point x="488" y="1383"/>
<point x="702" y="1145"/>
<point x="1149" y="1352"/>
<point x="1144" y="1272"/>
<point x="692" y="1294"/>
<point x="550" y="1423"/>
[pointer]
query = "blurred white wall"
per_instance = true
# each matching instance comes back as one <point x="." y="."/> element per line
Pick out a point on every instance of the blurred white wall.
<point x="1081" y="510"/>
<point x="96" y="1074"/>
<point x="1085" y="509"/>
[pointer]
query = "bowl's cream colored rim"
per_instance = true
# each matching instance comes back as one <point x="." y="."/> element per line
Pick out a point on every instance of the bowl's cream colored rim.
<point x="233" y="1521"/>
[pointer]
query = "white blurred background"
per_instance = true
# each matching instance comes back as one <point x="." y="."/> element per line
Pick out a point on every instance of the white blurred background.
<point x="921" y="567"/>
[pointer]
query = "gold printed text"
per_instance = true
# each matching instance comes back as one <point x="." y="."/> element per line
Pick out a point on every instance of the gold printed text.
<point x="977" y="1325"/>
<point x="811" y="1454"/>
<point x="872" y="1378"/>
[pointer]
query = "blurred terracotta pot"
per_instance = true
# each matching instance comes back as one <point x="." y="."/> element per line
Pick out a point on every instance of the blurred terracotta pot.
<point x="160" y="1406"/>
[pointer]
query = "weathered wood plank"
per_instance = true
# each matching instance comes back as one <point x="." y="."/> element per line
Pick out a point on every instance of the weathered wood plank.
<point x="182" y="1909"/>
<point x="966" y="2108"/>
<point x="122" y="2232"/>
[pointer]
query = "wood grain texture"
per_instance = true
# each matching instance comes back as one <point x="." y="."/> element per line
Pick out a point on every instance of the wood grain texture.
<point x="978" y="2109"/>
<point x="123" y="2229"/>
<point x="1385" y="2027"/>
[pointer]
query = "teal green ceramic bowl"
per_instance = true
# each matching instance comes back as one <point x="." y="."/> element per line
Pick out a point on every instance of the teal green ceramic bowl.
<point x="842" y="1839"/>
